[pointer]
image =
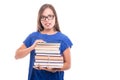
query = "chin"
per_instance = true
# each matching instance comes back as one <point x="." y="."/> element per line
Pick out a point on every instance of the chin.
<point x="48" y="28"/>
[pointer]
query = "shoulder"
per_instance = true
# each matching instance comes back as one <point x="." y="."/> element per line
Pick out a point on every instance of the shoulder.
<point x="66" y="41"/>
<point x="63" y="36"/>
<point x="32" y="34"/>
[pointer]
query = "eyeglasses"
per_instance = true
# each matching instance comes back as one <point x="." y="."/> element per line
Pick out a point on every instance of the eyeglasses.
<point x="49" y="17"/>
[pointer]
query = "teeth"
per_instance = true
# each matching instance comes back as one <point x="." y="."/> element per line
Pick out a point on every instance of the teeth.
<point x="48" y="24"/>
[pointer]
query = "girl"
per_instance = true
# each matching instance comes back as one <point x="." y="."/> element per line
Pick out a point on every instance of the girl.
<point x="47" y="31"/>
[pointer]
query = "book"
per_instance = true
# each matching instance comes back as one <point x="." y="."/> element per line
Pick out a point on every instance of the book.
<point x="49" y="61"/>
<point x="48" y="55"/>
<point x="47" y="48"/>
<point x="57" y="58"/>
<point x="48" y="45"/>
<point x="46" y="51"/>
<point x="59" y="61"/>
<point x="49" y="66"/>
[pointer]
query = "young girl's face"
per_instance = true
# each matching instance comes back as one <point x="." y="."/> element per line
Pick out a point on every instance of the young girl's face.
<point x="48" y="19"/>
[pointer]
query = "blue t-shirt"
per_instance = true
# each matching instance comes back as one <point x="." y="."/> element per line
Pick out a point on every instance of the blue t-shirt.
<point x="54" y="38"/>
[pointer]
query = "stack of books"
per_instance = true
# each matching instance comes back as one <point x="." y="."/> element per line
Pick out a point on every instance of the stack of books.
<point x="48" y="55"/>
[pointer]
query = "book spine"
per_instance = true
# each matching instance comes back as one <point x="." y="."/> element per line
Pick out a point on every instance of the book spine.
<point x="46" y="54"/>
<point x="51" y="61"/>
<point x="48" y="57"/>
<point x="45" y="51"/>
<point x="48" y="49"/>
<point x="52" y="65"/>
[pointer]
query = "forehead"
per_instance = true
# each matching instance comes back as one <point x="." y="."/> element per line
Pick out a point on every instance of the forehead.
<point x="47" y="11"/>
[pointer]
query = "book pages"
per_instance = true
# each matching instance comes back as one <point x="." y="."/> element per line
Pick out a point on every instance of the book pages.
<point x="48" y="55"/>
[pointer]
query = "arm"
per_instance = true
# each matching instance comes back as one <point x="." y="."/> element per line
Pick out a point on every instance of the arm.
<point x="67" y="60"/>
<point x="66" y="65"/>
<point x="24" y="51"/>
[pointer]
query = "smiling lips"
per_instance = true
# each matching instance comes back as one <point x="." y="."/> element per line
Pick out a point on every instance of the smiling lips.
<point x="48" y="24"/>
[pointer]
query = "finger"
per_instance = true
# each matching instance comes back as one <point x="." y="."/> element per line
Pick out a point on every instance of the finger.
<point x="40" y="68"/>
<point x="42" y="41"/>
<point x="35" y="67"/>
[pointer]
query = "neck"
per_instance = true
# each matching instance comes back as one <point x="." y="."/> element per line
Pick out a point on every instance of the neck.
<point x="49" y="32"/>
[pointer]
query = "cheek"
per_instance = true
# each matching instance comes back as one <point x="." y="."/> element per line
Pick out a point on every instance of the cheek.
<point x="53" y="23"/>
<point x="42" y="24"/>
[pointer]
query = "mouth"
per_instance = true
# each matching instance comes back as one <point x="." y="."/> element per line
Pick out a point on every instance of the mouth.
<point x="47" y="24"/>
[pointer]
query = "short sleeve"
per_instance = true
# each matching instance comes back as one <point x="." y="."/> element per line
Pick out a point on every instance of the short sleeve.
<point x="28" y="40"/>
<point x="66" y="43"/>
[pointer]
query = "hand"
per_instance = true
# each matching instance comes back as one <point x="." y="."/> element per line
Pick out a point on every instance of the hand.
<point x="38" y="67"/>
<point x="51" y="69"/>
<point x="36" y="42"/>
<point x="45" y="68"/>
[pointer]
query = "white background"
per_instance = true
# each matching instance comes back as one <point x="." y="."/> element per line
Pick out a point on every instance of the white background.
<point x="92" y="25"/>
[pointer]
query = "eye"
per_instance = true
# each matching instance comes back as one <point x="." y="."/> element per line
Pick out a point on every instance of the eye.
<point x="50" y="16"/>
<point x="42" y="17"/>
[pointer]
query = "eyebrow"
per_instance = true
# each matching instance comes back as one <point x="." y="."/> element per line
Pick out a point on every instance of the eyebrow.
<point x="48" y="15"/>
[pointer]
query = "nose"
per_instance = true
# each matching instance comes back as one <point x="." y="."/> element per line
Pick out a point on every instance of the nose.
<point x="46" y="19"/>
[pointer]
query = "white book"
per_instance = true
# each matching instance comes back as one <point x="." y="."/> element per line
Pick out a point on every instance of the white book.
<point x="52" y="66"/>
<point x="48" y="64"/>
<point x="46" y="54"/>
<point x="49" y="44"/>
<point x="46" y="51"/>
<point x="49" y="61"/>
<point x="46" y="48"/>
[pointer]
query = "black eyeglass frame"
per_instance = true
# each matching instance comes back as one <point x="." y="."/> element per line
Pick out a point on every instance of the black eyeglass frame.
<point x="49" y="17"/>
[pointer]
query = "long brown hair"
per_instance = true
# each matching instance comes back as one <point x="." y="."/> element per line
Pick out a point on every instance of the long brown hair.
<point x="39" y="25"/>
